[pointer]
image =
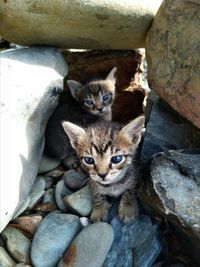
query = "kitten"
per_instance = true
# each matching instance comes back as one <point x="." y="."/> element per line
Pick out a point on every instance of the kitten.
<point x="107" y="154"/>
<point x="86" y="104"/>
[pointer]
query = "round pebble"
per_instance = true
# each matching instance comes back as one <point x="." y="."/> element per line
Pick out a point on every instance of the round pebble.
<point x="60" y="192"/>
<point x="74" y="180"/>
<point x="53" y="237"/>
<point x="48" y="164"/>
<point x="5" y="259"/>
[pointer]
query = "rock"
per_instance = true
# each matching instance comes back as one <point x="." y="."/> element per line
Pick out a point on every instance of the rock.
<point x="171" y="189"/>
<point x="173" y="57"/>
<point x="5" y="259"/>
<point x="49" y="196"/>
<point x="135" y="244"/>
<point x="29" y="223"/>
<point x="17" y="244"/>
<point x="23" y="265"/>
<point x="47" y="164"/>
<point x="74" y="180"/>
<point x="80" y="201"/>
<point x="166" y="129"/>
<point x="90" y="247"/>
<point x="37" y="191"/>
<point x="53" y="237"/>
<point x="98" y="25"/>
<point x="61" y="191"/>
<point x="31" y="79"/>
<point x="49" y="181"/>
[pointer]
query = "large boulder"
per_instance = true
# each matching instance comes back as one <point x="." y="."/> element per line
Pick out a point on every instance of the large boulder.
<point x="173" y="45"/>
<point x="93" y="24"/>
<point x="30" y="82"/>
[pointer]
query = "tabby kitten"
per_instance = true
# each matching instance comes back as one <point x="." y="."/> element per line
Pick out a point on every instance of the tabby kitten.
<point x="107" y="154"/>
<point x="86" y="104"/>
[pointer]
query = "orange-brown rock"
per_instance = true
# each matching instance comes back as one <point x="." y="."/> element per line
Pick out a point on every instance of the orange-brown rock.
<point x="28" y="223"/>
<point x="173" y="45"/>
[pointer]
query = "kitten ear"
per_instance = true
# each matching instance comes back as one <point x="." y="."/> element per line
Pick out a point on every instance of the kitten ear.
<point x="74" y="87"/>
<point x="73" y="131"/>
<point x="112" y="76"/>
<point x="133" y="130"/>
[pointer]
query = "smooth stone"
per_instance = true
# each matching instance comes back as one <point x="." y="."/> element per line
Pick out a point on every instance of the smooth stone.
<point x="29" y="223"/>
<point x="17" y="244"/>
<point x="80" y="201"/>
<point x="49" y="182"/>
<point x="53" y="237"/>
<point x="22" y="265"/>
<point x="90" y="247"/>
<point x="5" y="259"/>
<point x="74" y="180"/>
<point x="45" y="207"/>
<point x="49" y="196"/>
<point x="31" y="79"/>
<point x="48" y="164"/>
<point x="134" y="244"/>
<point x="60" y="192"/>
<point x="37" y="191"/>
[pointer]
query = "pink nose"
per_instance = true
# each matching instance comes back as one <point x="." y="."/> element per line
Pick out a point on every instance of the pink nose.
<point x="102" y="175"/>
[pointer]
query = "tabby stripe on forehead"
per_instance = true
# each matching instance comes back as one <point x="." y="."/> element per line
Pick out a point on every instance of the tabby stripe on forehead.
<point x="94" y="88"/>
<point x="102" y="150"/>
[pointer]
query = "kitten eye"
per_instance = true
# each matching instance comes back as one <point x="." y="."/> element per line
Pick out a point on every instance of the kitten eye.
<point x="88" y="160"/>
<point x="88" y="102"/>
<point x="107" y="97"/>
<point x="116" y="159"/>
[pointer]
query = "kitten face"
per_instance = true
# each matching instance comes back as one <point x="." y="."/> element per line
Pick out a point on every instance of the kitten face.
<point x="105" y="151"/>
<point x="96" y="96"/>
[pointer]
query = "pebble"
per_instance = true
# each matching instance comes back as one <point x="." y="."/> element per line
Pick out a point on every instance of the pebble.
<point x="74" y="180"/>
<point x="49" y="182"/>
<point x="49" y="196"/>
<point x="48" y="164"/>
<point x="80" y="201"/>
<point x="28" y="223"/>
<point x="61" y="191"/>
<point x="37" y="191"/>
<point x="90" y="247"/>
<point x="17" y="244"/>
<point x="5" y="259"/>
<point x="53" y="237"/>
<point x="22" y="265"/>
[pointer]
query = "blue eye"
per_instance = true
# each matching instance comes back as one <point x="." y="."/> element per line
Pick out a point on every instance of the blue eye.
<point x="116" y="159"/>
<point x="106" y="97"/>
<point x="88" y="160"/>
<point x="88" y="102"/>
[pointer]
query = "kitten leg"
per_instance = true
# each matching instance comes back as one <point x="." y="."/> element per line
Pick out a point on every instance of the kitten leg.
<point x="100" y="208"/>
<point x="128" y="206"/>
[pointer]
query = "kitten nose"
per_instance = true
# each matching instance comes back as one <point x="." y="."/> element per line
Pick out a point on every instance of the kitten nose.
<point x="102" y="175"/>
<point x="100" y="109"/>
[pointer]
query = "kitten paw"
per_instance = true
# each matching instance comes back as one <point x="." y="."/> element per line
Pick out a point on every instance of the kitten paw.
<point x="99" y="215"/>
<point x="128" y="214"/>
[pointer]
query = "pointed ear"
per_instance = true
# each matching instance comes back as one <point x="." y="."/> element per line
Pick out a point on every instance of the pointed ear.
<point x="133" y="130"/>
<point x="73" y="131"/>
<point x="112" y="76"/>
<point x="74" y="87"/>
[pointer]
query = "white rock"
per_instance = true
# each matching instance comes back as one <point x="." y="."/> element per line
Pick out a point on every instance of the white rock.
<point x="30" y="79"/>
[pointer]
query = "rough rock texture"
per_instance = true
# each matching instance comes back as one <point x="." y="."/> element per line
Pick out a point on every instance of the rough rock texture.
<point x="166" y="129"/>
<point x="30" y="82"/>
<point x="173" y="45"/>
<point x="92" y="24"/>
<point x="172" y="189"/>
<point x="97" y="64"/>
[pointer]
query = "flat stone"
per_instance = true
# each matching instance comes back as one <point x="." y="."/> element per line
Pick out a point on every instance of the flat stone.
<point x="17" y="244"/>
<point x="53" y="237"/>
<point x="90" y="247"/>
<point x="80" y="201"/>
<point x="47" y="164"/>
<point x="134" y="244"/>
<point x="60" y="192"/>
<point x="5" y="259"/>
<point x="29" y="223"/>
<point x="74" y="180"/>
<point x="37" y="191"/>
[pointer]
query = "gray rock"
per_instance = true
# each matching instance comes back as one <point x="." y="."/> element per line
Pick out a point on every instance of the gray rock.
<point x="17" y="244"/>
<point x="98" y="25"/>
<point x="74" y="180"/>
<point x="53" y="237"/>
<point x="5" y="259"/>
<point x="47" y="164"/>
<point x="60" y="192"/>
<point x="32" y="79"/>
<point x="90" y="247"/>
<point x="139" y="239"/>
<point x="22" y="265"/>
<point x="49" y="196"/>
<point x="166" y="129"/>
<point x="49" y="181"/>
<point x="171" y="188"/>
<point x="80" y="201"/>
<point x="37" y="191"/>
